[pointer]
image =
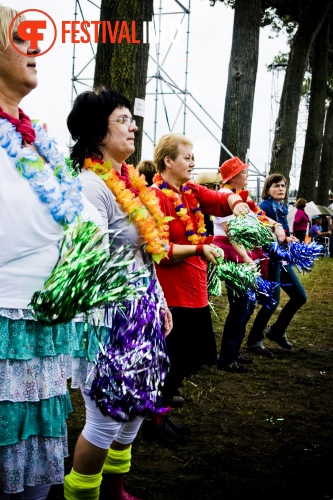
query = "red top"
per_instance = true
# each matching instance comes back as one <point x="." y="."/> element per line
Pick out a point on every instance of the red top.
<point x="185" y="283"/>
<point x="301" y="221"/>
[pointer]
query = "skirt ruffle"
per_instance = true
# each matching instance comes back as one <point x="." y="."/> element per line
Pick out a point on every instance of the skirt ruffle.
<point x="38" y="460"/>
<point x="26" y="339"/>
<point x="35" y="379"/>
<point x="45" y="418"/>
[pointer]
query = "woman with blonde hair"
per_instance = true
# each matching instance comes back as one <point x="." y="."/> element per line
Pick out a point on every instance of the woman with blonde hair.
<point x="183" y="274"/>
<point x="39" y="198"/>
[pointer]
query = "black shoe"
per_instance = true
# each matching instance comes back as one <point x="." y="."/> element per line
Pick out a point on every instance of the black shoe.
<point x="244" y="359"/>
<point x="159" y="431"/>
<point x="261" y="350"/>
<point x="177" y="402"/>
<point x="181" y="429"/>
<point x="282" y="341"/>
<point x="234" y="368"/>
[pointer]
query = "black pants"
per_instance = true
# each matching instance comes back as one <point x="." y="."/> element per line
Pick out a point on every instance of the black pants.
<point x="191" y="344"/>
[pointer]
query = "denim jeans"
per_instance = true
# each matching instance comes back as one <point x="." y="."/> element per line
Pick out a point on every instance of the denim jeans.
<point x="240" y="311"/>
<point x="289" y="282"/>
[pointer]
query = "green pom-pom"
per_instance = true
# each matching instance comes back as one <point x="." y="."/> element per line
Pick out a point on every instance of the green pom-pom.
<point x="241" y="276"/>
<point x="86" y="276"/>
<point x="249" y="232"/>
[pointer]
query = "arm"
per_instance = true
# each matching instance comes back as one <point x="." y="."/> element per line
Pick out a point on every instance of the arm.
<point x="239" y="249"/>
<point x="322" y="233"/>
<point x="218" y="203"/>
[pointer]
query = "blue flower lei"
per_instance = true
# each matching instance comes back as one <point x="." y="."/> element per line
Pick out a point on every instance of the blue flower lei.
<point x="52" y="182"/>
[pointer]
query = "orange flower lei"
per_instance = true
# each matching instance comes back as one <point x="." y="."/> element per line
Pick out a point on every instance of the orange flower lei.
<point x="143" y="209"/>
<point x="194" y="238"/>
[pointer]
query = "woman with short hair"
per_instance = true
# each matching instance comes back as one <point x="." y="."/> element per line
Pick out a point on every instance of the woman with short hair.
<point x="273" y="195"/>
<point x="301" y="220"/>
<point x="103" y="128"/>
<point x="183" y="274"/>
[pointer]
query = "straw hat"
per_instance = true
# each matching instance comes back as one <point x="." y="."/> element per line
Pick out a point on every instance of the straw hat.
<point x="232" y="167"/>
<point x="208" y="178"/>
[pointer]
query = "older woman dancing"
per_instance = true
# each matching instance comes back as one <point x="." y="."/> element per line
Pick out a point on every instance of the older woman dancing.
<point x="235" y="178"/>
<point x="102" y="125"/>
<point x="273" y="194"/>
<point x="183" y="275"/>
<point x="38" y="198"/>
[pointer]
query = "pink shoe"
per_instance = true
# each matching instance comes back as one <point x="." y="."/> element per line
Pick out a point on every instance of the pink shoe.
<point x="112" y="488"/>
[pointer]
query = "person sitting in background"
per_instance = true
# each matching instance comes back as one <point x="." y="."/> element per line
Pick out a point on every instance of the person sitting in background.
<point x="301" y="220"/>
<point x="316" y="230"/>
<point x="148" y="169"/>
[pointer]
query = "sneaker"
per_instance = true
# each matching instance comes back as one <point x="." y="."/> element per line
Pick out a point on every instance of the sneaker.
<point x="282" y="341"/>
<point x="234" y="368"/>
<point x="244" y="360"/>
<point x="261" y="350"/>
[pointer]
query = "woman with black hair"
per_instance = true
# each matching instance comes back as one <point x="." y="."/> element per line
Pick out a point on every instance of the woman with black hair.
<point x="102" y="125"/>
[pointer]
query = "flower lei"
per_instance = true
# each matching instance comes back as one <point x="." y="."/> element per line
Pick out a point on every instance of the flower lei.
<point x="194" y="238"/>
<point x="52" y="182"/>
<point x="143" y="209"/>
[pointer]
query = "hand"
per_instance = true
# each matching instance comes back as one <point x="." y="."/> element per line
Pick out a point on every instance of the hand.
<point x="211" y="253"/>
<point x="248" y="260"/>
<point x="168" y="322"/>
<point x="291" y="239"/>
<point x="241" y="209"/>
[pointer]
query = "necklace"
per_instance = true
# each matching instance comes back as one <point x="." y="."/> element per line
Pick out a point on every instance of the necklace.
<point x="143" y="208"/>
<point x="52" y="182"/>
<point x="195" y="238"/>
<point x="22" y="124"/>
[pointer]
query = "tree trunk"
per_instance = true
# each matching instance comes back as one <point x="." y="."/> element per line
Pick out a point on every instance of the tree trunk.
<point x="286" y="123"/>
<point x="326" y="162"/>
<point x="243" y="66"/>
<point x="314" y="132"/>
<point x="123" y="66"/>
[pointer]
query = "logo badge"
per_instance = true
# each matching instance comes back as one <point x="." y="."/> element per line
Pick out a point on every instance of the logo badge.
<point x="35" y="31"/>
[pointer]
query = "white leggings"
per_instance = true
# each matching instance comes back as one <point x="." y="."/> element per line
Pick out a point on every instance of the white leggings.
<point x="38" y="492"/>
<point x="101" y="431"/>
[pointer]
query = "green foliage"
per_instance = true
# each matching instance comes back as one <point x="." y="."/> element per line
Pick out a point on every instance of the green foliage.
<point x="279" y="61"/>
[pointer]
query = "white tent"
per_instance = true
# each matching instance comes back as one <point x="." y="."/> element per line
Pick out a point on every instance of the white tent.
<point x="311" y="209"/>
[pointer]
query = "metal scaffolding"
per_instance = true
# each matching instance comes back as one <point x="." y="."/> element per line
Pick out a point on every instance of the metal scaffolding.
<point x="168" y="99"/>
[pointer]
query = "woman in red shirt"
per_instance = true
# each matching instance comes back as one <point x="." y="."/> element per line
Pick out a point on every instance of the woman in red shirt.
<point x="183" y="274"/>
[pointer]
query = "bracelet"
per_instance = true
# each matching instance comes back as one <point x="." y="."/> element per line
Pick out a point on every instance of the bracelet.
<point x="236" y="203"/>
<point x="199" y="250"/>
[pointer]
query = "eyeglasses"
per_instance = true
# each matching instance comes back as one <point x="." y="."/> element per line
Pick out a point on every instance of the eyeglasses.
<point x="125" y="120"/>
<point x="278" y="186"/>
<point x="245" y="171"/>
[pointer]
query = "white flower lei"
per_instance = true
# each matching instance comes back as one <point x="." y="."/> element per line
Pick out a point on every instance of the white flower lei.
<point x="52" y="182"/>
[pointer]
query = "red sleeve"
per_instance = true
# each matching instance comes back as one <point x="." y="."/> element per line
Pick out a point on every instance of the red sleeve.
<point x="211" y="202"/>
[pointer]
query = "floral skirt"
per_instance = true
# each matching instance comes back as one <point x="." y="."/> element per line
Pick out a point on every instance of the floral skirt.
<point x="34" y="401"/>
